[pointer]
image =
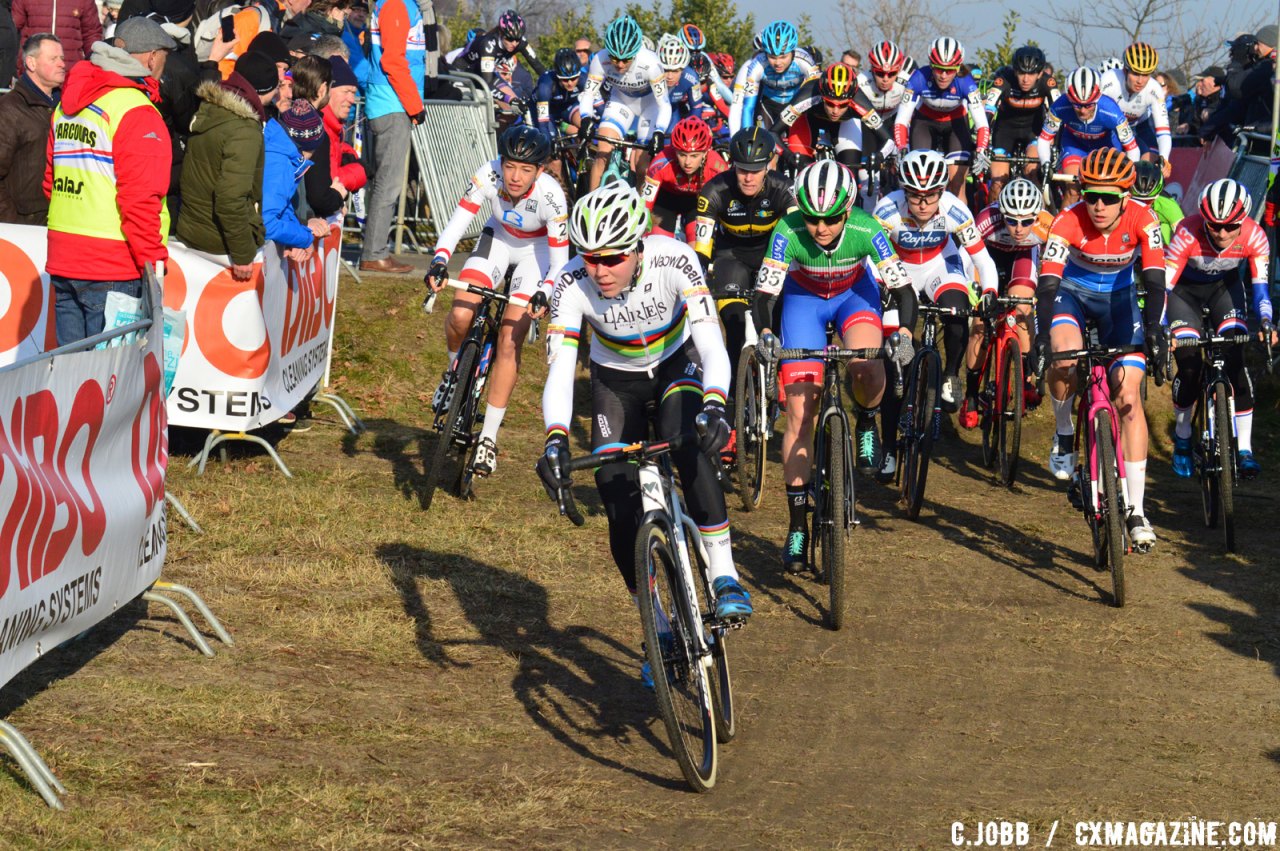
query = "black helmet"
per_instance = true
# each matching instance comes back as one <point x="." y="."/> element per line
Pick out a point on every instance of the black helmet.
<point x="566" y="64"/>
<point x="524" y="144"/>
<point x="1028" y="60"/>
<point x="1149" y="179"/>
<point x="752" y="148"/>
<point x="511" y="25"/>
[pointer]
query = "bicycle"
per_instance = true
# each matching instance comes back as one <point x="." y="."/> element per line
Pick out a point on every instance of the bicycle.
<point x="1213" y="429"/>
<point x="920" y="422"/>
<point x="755" y="410"/>
<point x="684" y="642"/>
<point x="1001" y="405"/>
<point x="617" y="167"/>
<point x="832" y="479"/>
<point x="465" y="391"/>
<point x="1098" y="487"/>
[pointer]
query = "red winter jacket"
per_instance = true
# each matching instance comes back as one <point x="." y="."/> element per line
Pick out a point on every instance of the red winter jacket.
<point x="142" y="156"/>
<point x="352" y="174"/>
<point x="75" y="22"/>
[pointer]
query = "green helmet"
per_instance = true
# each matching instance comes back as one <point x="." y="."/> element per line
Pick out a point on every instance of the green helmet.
<point x="825" y="188"/>
<point x="623" y="38"/>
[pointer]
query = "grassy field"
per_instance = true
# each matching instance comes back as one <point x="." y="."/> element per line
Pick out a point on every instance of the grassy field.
<point x="467" y="676"/>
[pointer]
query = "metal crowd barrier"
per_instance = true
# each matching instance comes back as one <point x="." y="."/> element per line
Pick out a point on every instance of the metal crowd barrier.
<point x="1252" y="169"/>
<point x="450" y="144"/>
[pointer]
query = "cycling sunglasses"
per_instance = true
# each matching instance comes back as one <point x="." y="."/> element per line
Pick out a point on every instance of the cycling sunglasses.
<point x="837" y="103"/>
<point x="1222" y="227"/>
<point x="1020" y="223"/>
<point x="925" y="197"/>
<point x="606" y="260"/>
<point x="885" y="74"/>
<point x="1108" y="198"/>
<point x="824" y="220"/>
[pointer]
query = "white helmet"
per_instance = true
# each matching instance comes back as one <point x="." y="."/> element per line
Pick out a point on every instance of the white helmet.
<point x="1225" y="201"/>
<point x="923" y="171"/>
<point x="1109" y="64"/>
<point x="1083" y="86"/>
<point x="647" y="42"/>
<point x="673" y="53"/>
<point x="612" y="218"/>
<point x="1020" y="199"/>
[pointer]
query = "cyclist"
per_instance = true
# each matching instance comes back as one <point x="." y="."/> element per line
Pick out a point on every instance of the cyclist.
<point x="1013" y="229"/>
<point x="635" y="88"/>
<point x="1016" y="105"/>
<point x="1088" y="275"/>
<point x="1148" y="187"/>
<point x="675" y="178"/>
<point x="929" y="226"/>
<point x="556" y="99"/>
<point x="835" y="123"/>
<point x="737" y="211"/>
<point x="770" y="80"/>
<point x="657" y="348"/>
<point x="1211" y="253"/>
<point x="818" y="258"/>
<point x="485" y="51"/>
<point x="946" y="103"/>
<point x="526" y="234"/>
<point x="1083" y="119"/>
<point x="1143" y="101"/>
<point x="684" y="89"/>
<point x="879" y="96"/>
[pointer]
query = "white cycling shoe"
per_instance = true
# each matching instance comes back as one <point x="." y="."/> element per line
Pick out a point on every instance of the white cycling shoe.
<point x="1062" y="461"/>
<point x="486" y="457"/>
<point x="1140" y="533"/>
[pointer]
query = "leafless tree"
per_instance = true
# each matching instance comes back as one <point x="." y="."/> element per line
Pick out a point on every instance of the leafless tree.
<point x="910" y="24"/>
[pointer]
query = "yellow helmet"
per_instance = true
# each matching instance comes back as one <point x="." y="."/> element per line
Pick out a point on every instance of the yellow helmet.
<point x="837" y="82"/>
<point x="1141" y="58"/>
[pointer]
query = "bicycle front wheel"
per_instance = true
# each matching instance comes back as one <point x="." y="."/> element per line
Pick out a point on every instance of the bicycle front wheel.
<point x="1226" y="462"/>
<point x="832" y="535"/>
<point x="924" y="395"/>
<point x="1112" y="528"/>
<point x="670" y="640"/>
<point x="1009" y="410"/>
<point x="1206" y="459"/>
<point x="464" y="367"/>
<point x="748" y="423"/>
<point x="989" y="398"/>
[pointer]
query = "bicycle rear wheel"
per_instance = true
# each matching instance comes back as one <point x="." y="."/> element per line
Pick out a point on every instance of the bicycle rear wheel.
<point x="1112" y="528"/>
<point x="924" y="394"/>
<point x="832" y="534"/>
<point x="463" y="370"/>
<point x="721" y="677"/>
<point x="1008" y="409"/>
<point x="1225" y="441"/>
<point x="680" y="680"/>
<point x="989" y="408"/>
<point x="748" y="423"/>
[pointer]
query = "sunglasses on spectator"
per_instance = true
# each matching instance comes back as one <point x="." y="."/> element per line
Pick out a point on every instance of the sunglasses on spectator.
<point x="606" y="260"/>
<point x="925" y="197"/>
<point x="1222" y="227"/>
<point x="824" y="220"/>
<point x="1020" y="223"/>
<point x="582" y="50"/>
<point x="1108" y="198"/>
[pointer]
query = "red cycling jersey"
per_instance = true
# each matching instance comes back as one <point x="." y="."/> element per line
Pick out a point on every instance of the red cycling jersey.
<point x="1193" y="258"/>
<point x="665" y="174"/>
<point x="1078" y="252"/>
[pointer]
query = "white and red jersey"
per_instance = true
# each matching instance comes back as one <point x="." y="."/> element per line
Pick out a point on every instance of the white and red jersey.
<point x="1192" y="258"/>
<point x="1017" y="261"/>
<point x="1077" y="251"/>
<point x="919" y="243"/>
<point x="1146" y="104"/>
<point x="665" y="173"/>
<point x="541" y="213"/>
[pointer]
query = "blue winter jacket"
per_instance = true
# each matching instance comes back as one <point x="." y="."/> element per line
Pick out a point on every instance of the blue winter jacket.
<point x="282" y="170"/>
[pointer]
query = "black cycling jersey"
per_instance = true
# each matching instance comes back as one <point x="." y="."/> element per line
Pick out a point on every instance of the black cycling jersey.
<point x="482" y="55"/>
<point x="1016" y="114"/>
<point x="729" y="220"/>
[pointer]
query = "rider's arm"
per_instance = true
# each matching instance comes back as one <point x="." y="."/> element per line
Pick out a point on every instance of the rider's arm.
<point x="746" y="88"/>
<point x="1160" y="121"/>
<point x="1125" y="134"/>
<point x="978" y="115"/>
<point x="772" y="274"/>
<point x="1152" y="261"/>
<point x="557" y="208"/>
<point x="1258" y="258"/>
<point x="967" y="237"/>
<point x="653" y="177"/>
<point x="1052" y="266"/>
<point x="535" y="67"/>
<point x="792" y="112"/>
<point x="483" y="187"/>
<point x="902" y="122"/>
<point x="708" y="207"/>
<point x="1181" y="245"/>
<point x="563" y="330"/>
<point x="1044" y="142"/>
<point x="704" y="329"/>
<point x="587" y="98"/>
<point x="542" y="101"/>
<point x="994" y="94"/>
<point x="658" y="84"/>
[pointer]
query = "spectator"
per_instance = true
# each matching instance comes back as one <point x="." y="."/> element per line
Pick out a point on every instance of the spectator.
<point x="1257" y="87"/>
<point x="75" y="22"/>
<point x="222" y="174"/>
<point x="1206" y="96"/>
<point x="8" y="44"/>
<point x="312" y="77"/>
<point x="273" y="47"/>
<point x="106" y="175"/>
<point x="582" y="47"/>
<point x="397" y="71"/>
<point x="327" y="45"/>
<point x="853" y="59"/>
<point x="344" y="165"/>
<point x="25" y="114"/>
<point x="111" y="15"/>
<point x="289" y="144"/>
<point x="354" y="35"/>
<point x="324" y="17"/>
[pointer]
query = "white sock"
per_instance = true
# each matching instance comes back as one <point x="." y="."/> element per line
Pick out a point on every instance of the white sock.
<point x="1182" y="422"/>
<point x="719" y="551"/>
<point x="453" y="357"/>
<point x="492" y="422"/>
<point x="1244" y="431"/>
<point x="1063" y="412"/>
<point x="1135" y="476"/>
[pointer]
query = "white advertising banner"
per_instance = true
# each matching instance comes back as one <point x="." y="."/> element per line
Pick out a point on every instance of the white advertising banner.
<point x="252" y="349"/>
<point x="83" y="452"/>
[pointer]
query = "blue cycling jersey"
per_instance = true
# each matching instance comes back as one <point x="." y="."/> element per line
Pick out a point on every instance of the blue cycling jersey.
<point x="1088" y="135"/>
<point x="757" y="79"/>
<point x="554" y="104"/>
<point x="686" y="97"/>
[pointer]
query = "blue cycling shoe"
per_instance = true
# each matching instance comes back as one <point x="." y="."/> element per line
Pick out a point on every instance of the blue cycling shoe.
<point x="732" y="600"/>
<point x="1182" y="466"/>
<point x="1249" y="466"/>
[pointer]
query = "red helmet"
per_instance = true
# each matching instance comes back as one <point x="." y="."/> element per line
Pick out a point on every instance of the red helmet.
<point x="946" y="53"/>
<point x="724" y="64"/>
<point x="886" y="58"/>
<point x="691" y="135"/>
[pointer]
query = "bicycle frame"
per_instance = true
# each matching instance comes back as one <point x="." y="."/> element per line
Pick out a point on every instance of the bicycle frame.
<point x="928" y="348"/>
<point x="1097" y="397"/>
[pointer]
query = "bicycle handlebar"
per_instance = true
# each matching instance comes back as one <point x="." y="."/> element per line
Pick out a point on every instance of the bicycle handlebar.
<point x="428" y="303"/>
<point x="1098" y="352"/>
<point x="830" y="353"/>
<point x="1197" y="342"/>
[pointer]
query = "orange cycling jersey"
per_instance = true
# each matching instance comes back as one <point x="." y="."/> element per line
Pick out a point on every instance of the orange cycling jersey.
<point x="1077" y="251"/>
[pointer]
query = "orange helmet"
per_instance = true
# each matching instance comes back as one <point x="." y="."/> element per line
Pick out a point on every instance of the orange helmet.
<point x="837" y="83"/>
<point x="1107" y="168"/>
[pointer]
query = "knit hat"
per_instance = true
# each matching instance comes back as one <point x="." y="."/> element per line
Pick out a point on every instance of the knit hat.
<point x="272" y="46"/>
<point x="303" y="124"/>
<point x="174" y="11"/>
<point x="342" y="73"/>
<point x="142" y="35"/>
<point x="1267" y="35"/>
<point x="259" y="71"/>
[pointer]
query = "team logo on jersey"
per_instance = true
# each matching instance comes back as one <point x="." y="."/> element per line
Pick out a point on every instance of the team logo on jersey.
<point x="734" y="206"/>
<point x="530" y="205"/>
<point x="778" y="250"/>
<point x="703" y="204"/>
<point x="513" y="218"/>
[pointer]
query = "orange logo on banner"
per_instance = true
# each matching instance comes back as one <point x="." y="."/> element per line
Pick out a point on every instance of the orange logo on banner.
<point x="304" y="304"/>
<point x="34" y="450"/>
<point x="26" y="298"/>
<point x="149" y="461"/>
<point x="332" y="241"/>
<point x="212" y="339"/>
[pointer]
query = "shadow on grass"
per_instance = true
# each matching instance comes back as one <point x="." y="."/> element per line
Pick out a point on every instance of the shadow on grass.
<point x="578" y="684"/>
<point x="406" y="448"/>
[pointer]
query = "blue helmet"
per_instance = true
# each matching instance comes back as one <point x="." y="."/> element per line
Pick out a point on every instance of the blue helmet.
<point x="623" y="38"/>
<point x="779" y="37"/>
